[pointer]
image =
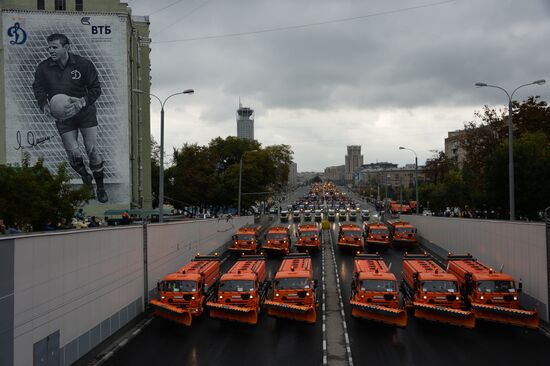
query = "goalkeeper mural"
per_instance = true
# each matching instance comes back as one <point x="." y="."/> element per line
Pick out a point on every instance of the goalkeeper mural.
<point x="66" y="87"/>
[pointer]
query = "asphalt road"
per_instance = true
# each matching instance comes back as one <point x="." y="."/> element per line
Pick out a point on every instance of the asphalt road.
<point x="285" y="342"/>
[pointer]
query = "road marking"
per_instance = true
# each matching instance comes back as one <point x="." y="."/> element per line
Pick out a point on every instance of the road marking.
<point x="323" y="284"/>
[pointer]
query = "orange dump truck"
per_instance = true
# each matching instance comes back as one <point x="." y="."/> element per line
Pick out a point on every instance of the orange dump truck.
<point x="241" y="291"/>
<point x="308" y="238"/>
<point x="182" y="294"/>
<point x="403" y="234"/>
<point x="432" y="292"/>
<point x="246" y="240"/>
<point x="277" y="240"/>
<point x="377" y="236"/>
<point x="374" y="291"/>
<point x="294" y="290"/>
<point x="397" y="207"/>
<point x="349" y="237"/>
<point x="492" y="295"/>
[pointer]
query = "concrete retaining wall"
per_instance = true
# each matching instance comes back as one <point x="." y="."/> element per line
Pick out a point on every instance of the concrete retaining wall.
<point x="63" y="293"/>
<point x="517" y="246"/>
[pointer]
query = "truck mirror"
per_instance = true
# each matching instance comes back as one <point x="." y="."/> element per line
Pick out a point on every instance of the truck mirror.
<point x="234" y="237"/>
<point x="158" y="286"/>
<point x="315" y="283"/>
<point x="520" y="286"/>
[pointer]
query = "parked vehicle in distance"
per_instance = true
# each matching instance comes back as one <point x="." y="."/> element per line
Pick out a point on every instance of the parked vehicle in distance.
<point x="283" y="216"/>
<point x="318" y="215"/>
<point x="331" y="215"/>
<point x="307" y="215"/>
<point x="296" y="216"/>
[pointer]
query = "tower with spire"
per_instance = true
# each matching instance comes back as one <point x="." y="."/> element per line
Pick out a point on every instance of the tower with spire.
<point x="245" y="122"/>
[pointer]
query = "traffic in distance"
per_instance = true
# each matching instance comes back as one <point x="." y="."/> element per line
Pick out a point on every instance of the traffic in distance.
<point x="401" y="305"/>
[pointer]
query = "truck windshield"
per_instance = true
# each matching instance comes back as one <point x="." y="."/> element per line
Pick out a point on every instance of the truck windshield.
<point x="179" y="286"/>
<point x="284" y="214"/>
<point x="439" y="286"/>
<point x="276" y="236"/>
<point x="237" y="285"/>
<point x="292" y="283"/>
<point x="496" y="286"/>
<point x="351" y="233"/>
<point x="308" y="233"/>
<point x="404" y="230"/>
<point x="245" y="237"/>
<point x="378" y="232"/>
<point x="378" y="285"/>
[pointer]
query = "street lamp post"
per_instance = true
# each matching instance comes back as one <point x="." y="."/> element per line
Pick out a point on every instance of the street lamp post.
<point x="511" y="187"/>
<point x="415" y="176"/>
<point x="161" y="162"/>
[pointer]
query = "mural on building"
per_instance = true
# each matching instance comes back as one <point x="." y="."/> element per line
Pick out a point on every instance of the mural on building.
<point x="71" y="110"/>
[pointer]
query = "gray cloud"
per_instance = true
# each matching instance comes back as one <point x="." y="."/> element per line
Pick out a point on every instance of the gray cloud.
<point x="426" y="58"/>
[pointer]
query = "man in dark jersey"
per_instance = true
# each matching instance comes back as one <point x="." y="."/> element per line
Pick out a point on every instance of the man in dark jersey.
<point x="66" y="73"/>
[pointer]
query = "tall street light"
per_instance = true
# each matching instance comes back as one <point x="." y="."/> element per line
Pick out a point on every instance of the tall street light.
<point x="161" y="173"/>
<point x="415" y="175"/>
<point x="240" y="179"/>
<point x="511" y="141"/>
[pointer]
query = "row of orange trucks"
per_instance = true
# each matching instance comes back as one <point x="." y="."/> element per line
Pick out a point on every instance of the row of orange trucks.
<point x="239" y="294"/>
<point x="377" y="235"/>
<point x="464" y="293"/>
<point x="276" y="240"/>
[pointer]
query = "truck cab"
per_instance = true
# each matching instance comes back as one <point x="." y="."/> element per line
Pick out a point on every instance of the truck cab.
<point x="493" y="296"/>
<point x="277" y="240"/>
<point x="293" y="294"/>
<point x="375" y="292"/>
<point x="183" y="293"/>
<point x="241" y="291"/>
<point x="246" y="240"/>
<point x="433" y="293"/>
<point x="377" y="236"/>
<point x="403" y="234"/>
<point x="308" y="238"/>
<point x="350" y="237"/>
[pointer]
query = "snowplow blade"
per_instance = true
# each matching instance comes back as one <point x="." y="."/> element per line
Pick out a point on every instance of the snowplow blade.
<point x="391" y="316"/>
<point x="499" y="314"/>
<point x="443" y="314"/>
<point x="296" y="312"/>
<point x="173" y="313"/>
<point x="233" y="313"/>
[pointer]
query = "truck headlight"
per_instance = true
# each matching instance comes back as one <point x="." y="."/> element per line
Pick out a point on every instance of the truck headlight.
<point x="251" y="296"/>
<point x="277" y="295"/>
<point x="515" y="298"/>
<point x="425" y="297"/>
<point x="162" y="297"/>
<point x="482" y="297"/>
<point x="458" y="298"/>
<point x="307" y="293"/>
<point x="192" y="297"/>
<point x="221" y="297"/>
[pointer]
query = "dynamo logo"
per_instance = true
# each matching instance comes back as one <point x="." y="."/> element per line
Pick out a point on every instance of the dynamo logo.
<point x="18" y="34"/>
<point x="85" y="21"/>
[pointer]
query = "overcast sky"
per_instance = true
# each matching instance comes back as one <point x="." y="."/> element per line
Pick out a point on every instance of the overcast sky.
<point x="324" y="74"/>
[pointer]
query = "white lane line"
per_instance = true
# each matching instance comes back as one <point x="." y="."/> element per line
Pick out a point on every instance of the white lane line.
<point x="346" y="336"/>
<point x="323" y="282"/>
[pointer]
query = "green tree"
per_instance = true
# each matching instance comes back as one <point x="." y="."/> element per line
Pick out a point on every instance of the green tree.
<point x="532" y="174"/>
<point x="31" y="196"/>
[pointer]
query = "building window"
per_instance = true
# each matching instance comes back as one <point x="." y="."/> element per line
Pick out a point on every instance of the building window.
<point x="79" y="5"/>
<point x="40" y="4"/>
<point x="60" y="5"/>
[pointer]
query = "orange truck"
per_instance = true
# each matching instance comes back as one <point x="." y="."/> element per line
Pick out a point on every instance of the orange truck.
<point x="376" y="236"/>
<point x="433" y="293"/>
<point x="403" y="234"/>
<point x="246" y="240"/>
<point x="293" y="295"/>
<point x="397" y="207"/>
<point x="182" y="294"/>
<point x="349" y="237"/>
<point x="308" y="238"/>
<point x="374" y="292"/>
<point x="241" y="291"/>
<point x="492" y="296"/>
<point x="277" y="240"/>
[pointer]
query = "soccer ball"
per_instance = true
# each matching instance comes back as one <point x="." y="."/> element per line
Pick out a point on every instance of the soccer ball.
<point x="57" y="106"/>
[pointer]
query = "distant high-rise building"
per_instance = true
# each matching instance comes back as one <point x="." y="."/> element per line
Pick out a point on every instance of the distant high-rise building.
<point x="335" y="173"/>
<point x="354" y="160"/>
<point x="245" y="122"/>
<point x="293" y="175"/>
